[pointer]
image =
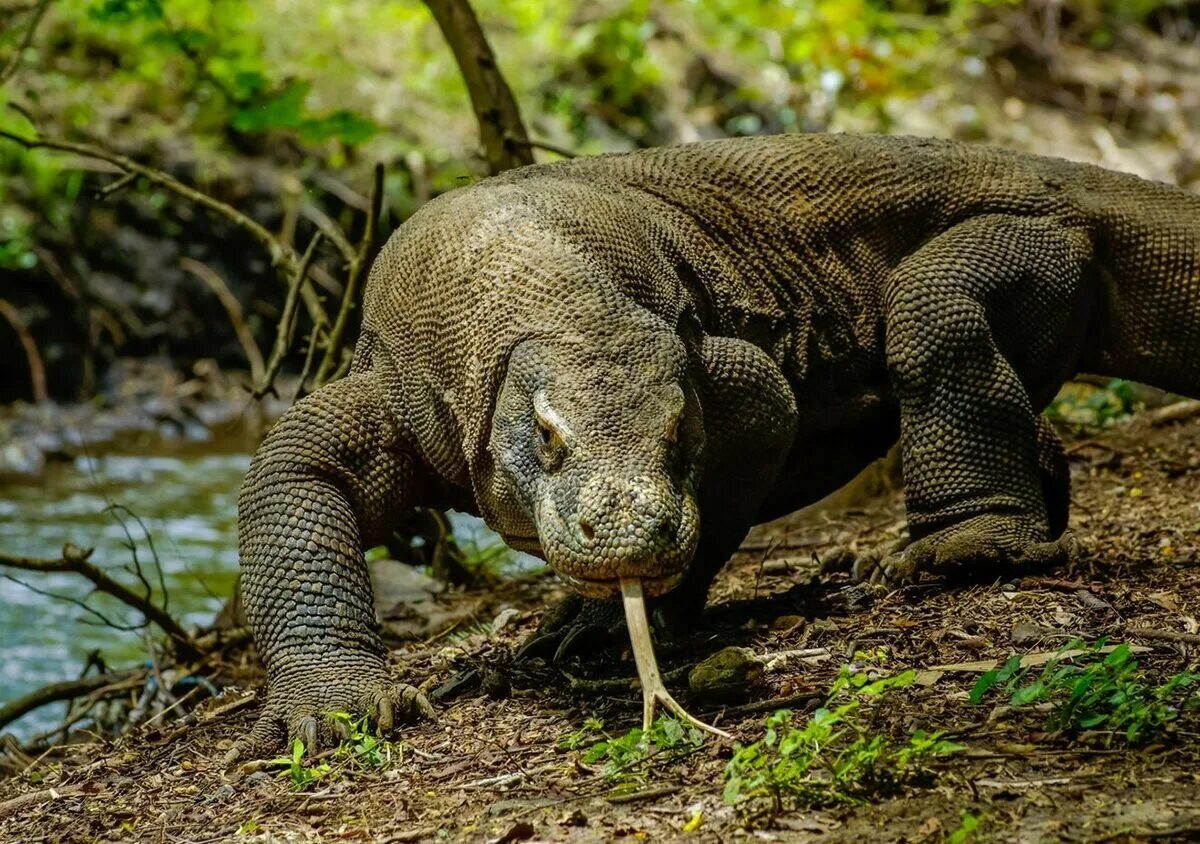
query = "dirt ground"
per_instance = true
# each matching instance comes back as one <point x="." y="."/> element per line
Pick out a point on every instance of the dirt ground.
<point x="490" y="768"/>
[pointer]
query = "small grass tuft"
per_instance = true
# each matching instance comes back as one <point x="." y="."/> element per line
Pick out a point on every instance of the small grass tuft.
<point x="1085" y="688"/>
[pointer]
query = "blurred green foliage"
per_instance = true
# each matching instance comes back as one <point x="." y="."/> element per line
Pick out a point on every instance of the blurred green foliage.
<point x="336" y="84"/>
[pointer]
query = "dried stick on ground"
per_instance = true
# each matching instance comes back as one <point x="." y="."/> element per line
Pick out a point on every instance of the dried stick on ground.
<point x="75" y="559"/>
<point x="505" y="142"/>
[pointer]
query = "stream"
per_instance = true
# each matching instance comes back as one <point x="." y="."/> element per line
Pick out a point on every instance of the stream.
<point x="176" y="503"/>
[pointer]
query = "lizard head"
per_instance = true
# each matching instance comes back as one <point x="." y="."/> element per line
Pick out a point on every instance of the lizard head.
<point x="596" y="451"/>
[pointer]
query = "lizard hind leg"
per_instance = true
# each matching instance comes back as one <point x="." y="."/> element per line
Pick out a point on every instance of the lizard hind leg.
<point x="977" y="320"/>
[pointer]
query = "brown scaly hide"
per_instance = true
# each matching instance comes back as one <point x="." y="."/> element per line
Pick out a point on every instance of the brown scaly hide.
<point x="624" y="362"/>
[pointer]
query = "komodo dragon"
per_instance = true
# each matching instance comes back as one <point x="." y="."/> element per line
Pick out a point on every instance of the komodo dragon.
<point x="623" y="362"/>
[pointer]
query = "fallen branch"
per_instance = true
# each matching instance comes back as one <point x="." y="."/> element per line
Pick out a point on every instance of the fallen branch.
<point x="75" y="559"/>
<point x="1177" y="412"/>
<point x="1163" y="635"/>
<point x="68" y="690"/>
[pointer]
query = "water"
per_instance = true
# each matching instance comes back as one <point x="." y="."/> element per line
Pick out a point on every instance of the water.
<point x="187" y="502"/>
<point x="186" y="499"/>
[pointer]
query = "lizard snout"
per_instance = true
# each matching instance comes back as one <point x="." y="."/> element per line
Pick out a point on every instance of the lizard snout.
<point x="631" y="521"/>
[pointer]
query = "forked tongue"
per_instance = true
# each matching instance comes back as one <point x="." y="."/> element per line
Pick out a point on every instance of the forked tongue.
<point x="653" y="689"/>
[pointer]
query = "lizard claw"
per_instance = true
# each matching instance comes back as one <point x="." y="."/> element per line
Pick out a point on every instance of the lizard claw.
<point x="307" y="714"/>
<point x="575" y="625"/>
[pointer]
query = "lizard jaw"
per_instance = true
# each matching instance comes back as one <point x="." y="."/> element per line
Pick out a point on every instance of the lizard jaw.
<point x="611" y="588"/>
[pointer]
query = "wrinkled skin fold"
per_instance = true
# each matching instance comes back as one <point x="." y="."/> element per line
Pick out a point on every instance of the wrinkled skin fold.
<point x="624" y="362"/>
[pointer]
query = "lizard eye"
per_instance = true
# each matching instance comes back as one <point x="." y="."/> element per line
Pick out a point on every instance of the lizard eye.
<point x="551" y="443"/>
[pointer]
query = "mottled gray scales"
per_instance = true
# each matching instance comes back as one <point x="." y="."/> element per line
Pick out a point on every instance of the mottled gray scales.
<point x="624" y="362"/>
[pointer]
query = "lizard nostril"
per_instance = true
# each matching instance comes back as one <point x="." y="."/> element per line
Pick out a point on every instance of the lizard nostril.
<point x="585" y="528"/>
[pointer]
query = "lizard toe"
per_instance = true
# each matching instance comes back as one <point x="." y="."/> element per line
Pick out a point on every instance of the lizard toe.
<point x="576" y="626"/>
<point x="316" y="715"/>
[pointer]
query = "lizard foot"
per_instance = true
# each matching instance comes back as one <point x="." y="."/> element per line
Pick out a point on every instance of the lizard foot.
<point x="576" y="625"/>
<point x="981" y="546"/>
<point x="304" y="710"/>
<point x="859" y="564"/>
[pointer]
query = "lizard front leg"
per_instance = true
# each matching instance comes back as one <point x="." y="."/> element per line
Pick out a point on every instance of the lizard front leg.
<point x="331" y="476"/>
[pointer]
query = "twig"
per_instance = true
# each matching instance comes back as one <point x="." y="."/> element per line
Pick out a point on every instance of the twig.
<point x="1164" y="635"/>
<point x="66" y="690"/>
<point x="283" y="257"/>
<point x="14" y="60"/>
<point x="651" y="793"/>
<point x="501" y="131"/>
<point x="24" y="802"/>
<point x="548" y="147"/>
<point x="37" y="369"/>
<point x="1174" y="412"/>
<point x="233" y="308"/>
<point x="75" y="560"/>
<point x="285" y="333"/>
<point x="101" y="619"/>
<point x="114" y="186"/>
<point x="355" y="271"/>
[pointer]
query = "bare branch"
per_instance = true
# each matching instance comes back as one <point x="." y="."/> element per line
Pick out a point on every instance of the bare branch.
<point x="37" y="369"/>
<point x="68" y="690"/>
<point x="115" y="186"/>
<point x="101" y="619"/>
<point x="14" y="60"/>
<point x="335" y="358"/>
<point x="548" y="147"/>
<point x="75" y="560"/>
<point x="330" y="229"/>
<point x="286" y="331"/>
<point x="116" y="510"/>
<point x="233" y="308"/>
<point x="283" y="257"/>
<point x="505" y="142"/>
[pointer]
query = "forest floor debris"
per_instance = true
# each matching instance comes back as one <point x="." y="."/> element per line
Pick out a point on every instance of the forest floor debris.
<point x="542" y="752"/>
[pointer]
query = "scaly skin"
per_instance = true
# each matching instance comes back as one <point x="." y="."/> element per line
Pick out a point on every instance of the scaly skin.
<point x="624" y="362"/>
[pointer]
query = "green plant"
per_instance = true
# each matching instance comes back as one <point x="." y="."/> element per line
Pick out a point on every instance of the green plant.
<point x="591" y="732"/>
<point x="1085" y="407"/>
<point x="301" y="775"/>
<point x="833" y="756"/>
<point x="667" y="740"/>
<point x="968" y="825"/>
<point x="1087" y="688"/>
<point x="363" y="747"/>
